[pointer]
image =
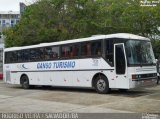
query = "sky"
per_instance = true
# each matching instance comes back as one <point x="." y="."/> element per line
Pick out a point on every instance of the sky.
<point x="12" y="5"/>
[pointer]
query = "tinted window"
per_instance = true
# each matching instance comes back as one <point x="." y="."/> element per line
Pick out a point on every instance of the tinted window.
<point x="7" y="57"/>
<point x="14" y="57"/>
<point x="96" y="48"/>
<point x="51" y="53"/>
<point x="26" y="55"/>
<point x="11" y="57"/>
<point x="91" y="48"/>
<point x="33" y="55"/>
<point x="69" y="51"/>
<point x="86" y="49"/>
<point x="19" y="56"/>
<point x="36" y="54"/>
<point x="109" y="51"/>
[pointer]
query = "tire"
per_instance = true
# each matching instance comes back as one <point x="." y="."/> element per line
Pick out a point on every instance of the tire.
<point x="25" y="82"/>
<point x="158" y="80"/>
<point x="101" y="84"/>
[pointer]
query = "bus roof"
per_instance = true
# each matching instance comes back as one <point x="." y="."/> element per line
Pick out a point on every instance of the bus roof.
<point x="94" y="37"/>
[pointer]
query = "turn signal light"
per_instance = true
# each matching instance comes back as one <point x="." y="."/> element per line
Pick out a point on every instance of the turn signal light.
<point x="134" y="76"/>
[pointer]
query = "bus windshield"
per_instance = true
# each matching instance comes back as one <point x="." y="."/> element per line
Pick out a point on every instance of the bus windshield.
<point x="139" y="52"/>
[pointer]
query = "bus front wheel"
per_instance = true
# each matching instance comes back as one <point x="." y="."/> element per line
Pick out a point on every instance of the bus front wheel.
<point x="25" y="82"/>
<point x="101" y="84"/>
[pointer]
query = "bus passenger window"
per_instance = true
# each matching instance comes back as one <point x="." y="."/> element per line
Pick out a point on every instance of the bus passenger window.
<point x="19" y="56"/>
<point x="26" y="55"/>
<point x="70" y="51"/>
<point x="51" y="52"/>
<point x="74" y="50"/>
<point x="109" y="51"/>
<point x="86" y="49"/>
<point x="55" y="52"/>
<point x="65" y="51"/>
<point x="9" y="57"/>
<point x="96" y="48"/>
<point x="14" y="57"/>
<point x="33" y="55"/>
<point x="41" y="53"/>
<point x="46" y="53"/>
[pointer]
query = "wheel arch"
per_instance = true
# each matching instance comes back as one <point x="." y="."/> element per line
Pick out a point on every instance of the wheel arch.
<point x="96" y="75"/>
<point x="22" y="76"/>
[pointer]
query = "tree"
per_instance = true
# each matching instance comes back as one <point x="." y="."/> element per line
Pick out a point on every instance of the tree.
<point x="56" y="20"/>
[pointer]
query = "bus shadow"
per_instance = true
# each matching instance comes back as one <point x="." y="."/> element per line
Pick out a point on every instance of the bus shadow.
<point x="129" y="93"/>
<point x="58" y="89"/>
<point x="66" y="89"/>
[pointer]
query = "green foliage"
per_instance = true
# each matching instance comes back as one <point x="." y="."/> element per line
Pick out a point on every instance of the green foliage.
<point x="156" y="48"/>
<point x="56" y="20"/>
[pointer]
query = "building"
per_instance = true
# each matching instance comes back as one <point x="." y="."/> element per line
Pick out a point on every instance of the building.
<point x="8" y="19"/>
<point x="22" y="7"/>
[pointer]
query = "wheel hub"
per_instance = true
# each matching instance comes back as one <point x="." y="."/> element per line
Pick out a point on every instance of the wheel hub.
<point x="101" y="85"/>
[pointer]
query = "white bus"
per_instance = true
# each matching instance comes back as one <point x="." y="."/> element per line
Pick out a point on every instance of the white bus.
<point x="104" y="62"/>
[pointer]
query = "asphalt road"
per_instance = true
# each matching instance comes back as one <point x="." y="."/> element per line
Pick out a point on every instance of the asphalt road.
<point x="55" y="99"/>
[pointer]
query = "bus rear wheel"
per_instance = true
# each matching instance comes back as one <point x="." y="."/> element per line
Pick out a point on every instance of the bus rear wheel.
<point x="101" y="84"/>
<point x="25" y="82"/>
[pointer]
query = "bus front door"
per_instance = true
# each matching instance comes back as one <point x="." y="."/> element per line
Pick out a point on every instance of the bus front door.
<point x="120" y="65"/>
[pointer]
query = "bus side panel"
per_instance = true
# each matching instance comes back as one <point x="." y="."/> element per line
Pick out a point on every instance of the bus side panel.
<point x="111" y="78"/>
<point x="83" y="78"/>
<point x="39" y="78"/>
<point x="81" y="75"/>
<point x="61" y="78"/>
<point x="15" y="77"/>
<point x="68" y="78"/>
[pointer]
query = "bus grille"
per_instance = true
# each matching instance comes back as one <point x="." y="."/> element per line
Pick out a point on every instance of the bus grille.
<point x="8" y="77"/>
